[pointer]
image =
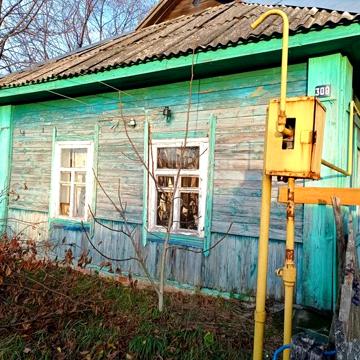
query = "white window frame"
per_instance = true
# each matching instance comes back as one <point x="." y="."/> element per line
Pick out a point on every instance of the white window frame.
<point x="56" y="171"/>
<point x="202" y="173"/>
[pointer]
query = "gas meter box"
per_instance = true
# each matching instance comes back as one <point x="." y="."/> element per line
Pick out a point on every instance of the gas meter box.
<point x="297" y="156"/>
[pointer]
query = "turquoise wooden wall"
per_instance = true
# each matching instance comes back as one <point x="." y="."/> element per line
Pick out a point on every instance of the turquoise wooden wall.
<point x="5" y="153"/>
<point x="319" y="261"/>
<point x="238" y="102"/>
<point x="356" y="182"/>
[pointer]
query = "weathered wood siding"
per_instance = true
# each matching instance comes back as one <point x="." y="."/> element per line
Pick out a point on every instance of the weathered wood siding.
<point x="175" y="8"/>
<point x="230" y="268"/>
<point x="187" y="7"/>
<point x="28" y="225"/>
<point x="239" y="103"/>
<point x="319" y="226"/>
<point x="5" y="151"/>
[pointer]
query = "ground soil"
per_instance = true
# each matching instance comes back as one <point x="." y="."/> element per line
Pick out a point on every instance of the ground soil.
<point x="48" y="311"/>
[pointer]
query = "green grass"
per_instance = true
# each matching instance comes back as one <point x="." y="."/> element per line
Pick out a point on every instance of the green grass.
<point x="11" y="347"/>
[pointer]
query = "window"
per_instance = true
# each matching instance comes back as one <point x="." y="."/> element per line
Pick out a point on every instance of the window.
<point x="167" y="157"/>
<point x="72" y="179"/>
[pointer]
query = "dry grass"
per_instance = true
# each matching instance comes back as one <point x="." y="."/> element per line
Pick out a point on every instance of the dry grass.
<point x="51" y="312"/>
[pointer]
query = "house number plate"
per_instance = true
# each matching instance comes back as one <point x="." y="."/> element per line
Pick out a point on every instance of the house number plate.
<point x="323" y="91"/>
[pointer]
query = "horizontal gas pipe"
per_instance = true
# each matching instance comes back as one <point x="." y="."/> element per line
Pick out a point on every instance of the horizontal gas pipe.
<point x="347" y="172"/>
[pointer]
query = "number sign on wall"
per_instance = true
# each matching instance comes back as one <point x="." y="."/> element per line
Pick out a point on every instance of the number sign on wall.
<point x="323" y="91"/>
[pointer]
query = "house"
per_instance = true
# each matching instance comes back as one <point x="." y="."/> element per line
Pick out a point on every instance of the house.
<point x="99" y="109"/>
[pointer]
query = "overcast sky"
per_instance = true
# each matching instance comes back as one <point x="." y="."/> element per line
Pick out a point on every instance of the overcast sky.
<point x="345" y="5"/>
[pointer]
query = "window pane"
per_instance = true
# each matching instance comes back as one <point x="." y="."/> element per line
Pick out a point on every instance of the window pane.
<point x="79" y="203"/>
<point x="64" y="200"/>
<point x="163" y="208"/>
<point x="80" y="177"/>
<point x="65" y="176"/>
<point x="170" y="158"/>
<point x="73" y="158"/>
<point x="191" y="158"/>
<point x="166" y="158"/>
<point x="189" y="211"/>
<point x="165" y="181"/>
<point x="79" y="157"/>
<point x="66" y="158"/>
<point x="190" y="181"/>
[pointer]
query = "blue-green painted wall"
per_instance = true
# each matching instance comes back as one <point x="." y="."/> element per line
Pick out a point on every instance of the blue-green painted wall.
<point x="5" y="160"/>
<point x="319" y="261"/>
<point x="237" y="101"/>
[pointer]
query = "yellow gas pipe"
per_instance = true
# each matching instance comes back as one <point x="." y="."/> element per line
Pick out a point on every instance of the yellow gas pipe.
<point x="288" y="273"/>
<point x="260" y="314"/>
<point x="284" y="65"/>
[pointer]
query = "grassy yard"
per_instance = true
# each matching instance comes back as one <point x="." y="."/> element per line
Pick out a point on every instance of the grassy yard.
<point x="52" y="312"/>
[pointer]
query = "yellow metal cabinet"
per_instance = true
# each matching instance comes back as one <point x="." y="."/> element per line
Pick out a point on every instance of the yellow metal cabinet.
<point x="298" y="156"/>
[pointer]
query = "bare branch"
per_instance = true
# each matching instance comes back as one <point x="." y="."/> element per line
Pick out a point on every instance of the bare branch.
<point x="33" y="31"/>
<point x="206" y="250"/>
<point x="100" y="252"/>
<point x="106" y="226"/>
<point x="120" y="209"/>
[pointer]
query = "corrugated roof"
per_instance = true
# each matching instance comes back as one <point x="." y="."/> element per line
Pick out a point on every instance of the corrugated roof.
<point x="218" y="26"/>
<point x="343" y="5"/>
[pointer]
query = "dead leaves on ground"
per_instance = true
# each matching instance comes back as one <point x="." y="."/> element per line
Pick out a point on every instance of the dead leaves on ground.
<point x="15" y="257"/>
<point x="41" y="297"/>
<point x="58" y="313"/>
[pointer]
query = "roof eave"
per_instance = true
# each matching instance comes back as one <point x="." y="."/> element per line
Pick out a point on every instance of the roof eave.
<point x="315" y="42"/>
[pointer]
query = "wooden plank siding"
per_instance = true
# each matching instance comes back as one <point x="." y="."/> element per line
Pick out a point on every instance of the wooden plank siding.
<point x="5" y="151"/>
<point x="28" y="224"/>
<point x="186" y="7"/>
<point x="168" y="10"/>
<point x="238" y="101"/>
<point x="319" y="226"/>
<point x="226" y="270"/>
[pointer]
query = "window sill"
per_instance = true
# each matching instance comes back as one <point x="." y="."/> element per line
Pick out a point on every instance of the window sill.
<point x="177" y="239"/>
<point x="69" y="224"/>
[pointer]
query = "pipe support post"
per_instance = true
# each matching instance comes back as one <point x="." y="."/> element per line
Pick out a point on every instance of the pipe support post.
<point x="289" y="270"/>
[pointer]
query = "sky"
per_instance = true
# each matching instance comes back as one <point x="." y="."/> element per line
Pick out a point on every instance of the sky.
<point x="345" y="5"/>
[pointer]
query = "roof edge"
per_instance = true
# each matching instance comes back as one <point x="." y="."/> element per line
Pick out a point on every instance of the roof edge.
<point x="236" y="52"/>
<point x="80" y="63"/>
<point x="156" y="13"/>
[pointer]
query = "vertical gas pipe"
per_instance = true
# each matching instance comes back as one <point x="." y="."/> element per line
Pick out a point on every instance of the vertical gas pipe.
<point x="260" y="313"/>
<point x="288" y="272"/>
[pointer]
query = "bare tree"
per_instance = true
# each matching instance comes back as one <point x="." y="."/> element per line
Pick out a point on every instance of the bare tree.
<point x="16" y="16"/>
<point x="34" y="31"/>
<point x="113" y="17"/>
<point x="130" y="232"/>
<point x="161" y="189"/>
